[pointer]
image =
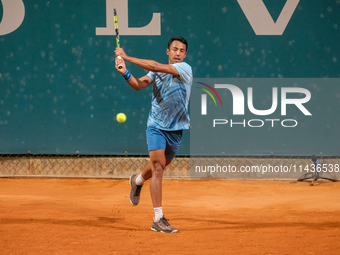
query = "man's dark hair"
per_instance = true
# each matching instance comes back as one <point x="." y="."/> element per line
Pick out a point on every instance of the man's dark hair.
<point x="178" y="38"/>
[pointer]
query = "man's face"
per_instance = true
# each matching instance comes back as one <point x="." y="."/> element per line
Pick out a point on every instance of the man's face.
<point x="177" y="52"/>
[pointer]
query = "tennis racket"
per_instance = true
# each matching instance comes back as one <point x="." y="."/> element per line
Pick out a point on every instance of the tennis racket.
<point x="117" y="33"/>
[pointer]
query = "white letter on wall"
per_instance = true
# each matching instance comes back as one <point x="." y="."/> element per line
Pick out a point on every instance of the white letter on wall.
<point x="260" y="19"/>
<point x="153" y="28"/>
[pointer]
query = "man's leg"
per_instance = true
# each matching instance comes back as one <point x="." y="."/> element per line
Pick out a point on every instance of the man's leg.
<point x="147" y="172"/>
<point x="158" y="164"/>
<point x="157" y="158"/>
<point x="161" y="145"/>
<point x="137" y="181"/>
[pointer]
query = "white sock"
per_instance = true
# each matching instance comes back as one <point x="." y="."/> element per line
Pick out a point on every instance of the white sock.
<point x="158" y="213"/>
<point x="139" y="180"/>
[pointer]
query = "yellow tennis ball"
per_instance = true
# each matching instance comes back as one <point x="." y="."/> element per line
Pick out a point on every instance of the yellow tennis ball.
<point x="121" y="117"/>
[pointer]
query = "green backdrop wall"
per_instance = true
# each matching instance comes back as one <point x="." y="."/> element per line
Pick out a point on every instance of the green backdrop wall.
<point x="60" y="93"/>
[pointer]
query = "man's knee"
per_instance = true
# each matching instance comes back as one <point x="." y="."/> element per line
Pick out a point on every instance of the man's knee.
<point x="158" y="169"/>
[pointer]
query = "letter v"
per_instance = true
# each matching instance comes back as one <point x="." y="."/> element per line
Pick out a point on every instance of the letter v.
<point x="260" y="19"/>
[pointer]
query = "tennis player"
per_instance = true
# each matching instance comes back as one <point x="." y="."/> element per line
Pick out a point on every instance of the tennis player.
<point x="167" y="118"/>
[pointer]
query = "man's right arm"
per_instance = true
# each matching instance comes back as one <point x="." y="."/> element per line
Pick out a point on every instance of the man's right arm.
<point x="134" y="82"/>
<point x="140" y="83"/>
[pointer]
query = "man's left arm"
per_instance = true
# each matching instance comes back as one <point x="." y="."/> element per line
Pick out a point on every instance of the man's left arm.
<point x="149" y="65"/>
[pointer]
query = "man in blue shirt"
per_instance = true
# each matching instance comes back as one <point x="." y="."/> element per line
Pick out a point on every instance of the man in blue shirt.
<point x="316" y="168"/>
<point x="167" y="119"/>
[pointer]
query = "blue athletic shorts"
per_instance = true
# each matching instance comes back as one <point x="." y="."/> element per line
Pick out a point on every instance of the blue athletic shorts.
<point x="162" y="139"/>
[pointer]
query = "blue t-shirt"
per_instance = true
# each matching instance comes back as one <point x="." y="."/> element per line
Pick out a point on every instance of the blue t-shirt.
<point x="317" y="166"/>
<point x="170" y="99"/>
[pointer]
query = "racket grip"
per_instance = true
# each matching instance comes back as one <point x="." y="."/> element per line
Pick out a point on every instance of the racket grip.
<point x="120" y="66"/>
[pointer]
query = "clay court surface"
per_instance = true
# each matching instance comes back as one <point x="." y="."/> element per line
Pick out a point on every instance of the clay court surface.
<point x="94" y="216"/>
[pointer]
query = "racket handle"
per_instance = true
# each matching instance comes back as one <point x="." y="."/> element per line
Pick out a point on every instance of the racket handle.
<point x="120" y="66"/>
